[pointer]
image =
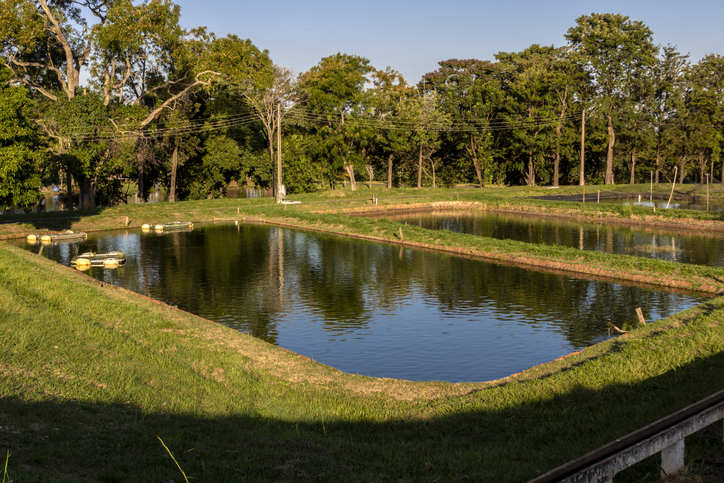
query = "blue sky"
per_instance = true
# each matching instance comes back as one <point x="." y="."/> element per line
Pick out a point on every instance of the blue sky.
<point x="412" y="37"/>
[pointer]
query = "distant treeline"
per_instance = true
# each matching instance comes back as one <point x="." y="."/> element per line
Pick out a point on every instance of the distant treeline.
<point x="195" y="113"/>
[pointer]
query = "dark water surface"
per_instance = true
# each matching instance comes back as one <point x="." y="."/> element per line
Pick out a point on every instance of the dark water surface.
<point x="373" y="309"/>
<point x="702" y="248"/>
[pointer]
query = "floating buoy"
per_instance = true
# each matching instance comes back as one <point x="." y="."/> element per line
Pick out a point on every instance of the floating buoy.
<point x="159" y="227"/>
<point x="145" y="227"/>
<point x="110" y="262"/>
<point x="46" y="238"/>
<point x="82" y="262"/>
<point x="32" y="237"/>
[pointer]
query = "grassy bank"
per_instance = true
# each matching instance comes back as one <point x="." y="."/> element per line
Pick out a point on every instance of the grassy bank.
<point x="92" y="376"/>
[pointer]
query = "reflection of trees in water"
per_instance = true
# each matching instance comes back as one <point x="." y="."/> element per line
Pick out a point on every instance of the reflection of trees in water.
<point x="580" y="309"/>
<point x="253" y="277"/>
<point x="702" y="248"/>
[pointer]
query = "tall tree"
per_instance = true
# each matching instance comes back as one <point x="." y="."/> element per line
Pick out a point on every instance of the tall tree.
<point x="423" y="116"/>
<point x="271" y="104"/>
<point x="704" y="105"/>
<point x="385" y="99"/>
<point x="470" y="92"/>
<point x="616" y="52"/>
<point x="334" y="91"/>
<point x="20" y="151"/>
<point x="669" y="86"/>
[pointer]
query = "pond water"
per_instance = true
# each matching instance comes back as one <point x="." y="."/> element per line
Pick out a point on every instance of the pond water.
<point x="372" y="309"/>
<point x="681" y="205"/>
<point x="703" y="248"/>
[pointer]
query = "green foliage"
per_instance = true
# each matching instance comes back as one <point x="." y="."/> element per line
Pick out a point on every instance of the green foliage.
<point x="299" y="171"/>
<point x="20" y="151"/>
<point x="220" y="164"/>
<point x="471" y="93"/>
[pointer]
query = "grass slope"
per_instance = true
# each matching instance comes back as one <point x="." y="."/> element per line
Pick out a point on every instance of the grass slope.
<point x="92" y="376"/>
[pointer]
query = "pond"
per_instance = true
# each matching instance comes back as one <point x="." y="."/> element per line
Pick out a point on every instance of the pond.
<point x="373" y="309"/>
<point x="702" y="248"/>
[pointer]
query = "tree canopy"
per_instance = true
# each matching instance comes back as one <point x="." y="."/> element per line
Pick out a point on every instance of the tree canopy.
<point x="100" y="91"/>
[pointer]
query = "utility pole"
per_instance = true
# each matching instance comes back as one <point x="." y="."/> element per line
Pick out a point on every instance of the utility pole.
<point x="582" y="179"/>
<point x="280" y="193"/>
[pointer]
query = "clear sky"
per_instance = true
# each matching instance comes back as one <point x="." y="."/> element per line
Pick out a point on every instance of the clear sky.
<point x="413" y="36"/>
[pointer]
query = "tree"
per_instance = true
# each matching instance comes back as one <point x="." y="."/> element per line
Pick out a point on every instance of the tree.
<point x="704" y="105"/>
<point x="385" y="99"/>
<point x="471" y="93"/>
<point x="85" y="142"/>
<point x="271" y="104"/>
<point x="427" y="121"/>
<point x="20" y="152"/>
<point x="334" y="91"/>
<point x="667" y="77"/>
<point x="616" y="52"/>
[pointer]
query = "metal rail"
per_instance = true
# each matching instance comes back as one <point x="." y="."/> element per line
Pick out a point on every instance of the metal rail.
<point x="665" y="435"/>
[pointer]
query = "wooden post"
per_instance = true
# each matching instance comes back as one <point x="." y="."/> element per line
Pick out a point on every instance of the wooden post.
<point x="651" y="189"/>
<point x="401" y="233"/>
<point x="584" y="193"/>
<point x="598" y="200"/>
<point x="707" y="191"/>
<point x="640" y="315"/>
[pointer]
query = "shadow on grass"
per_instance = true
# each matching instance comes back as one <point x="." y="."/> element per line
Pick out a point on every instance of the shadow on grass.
<point x="51" y="220"/>
<point x="72" y="441"/>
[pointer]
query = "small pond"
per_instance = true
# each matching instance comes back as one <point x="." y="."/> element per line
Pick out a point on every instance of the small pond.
<point x="372" y="309"/>
<point x="702" y="248"/>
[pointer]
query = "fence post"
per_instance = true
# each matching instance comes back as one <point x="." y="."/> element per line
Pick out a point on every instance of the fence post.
<point x="672" y="459"/>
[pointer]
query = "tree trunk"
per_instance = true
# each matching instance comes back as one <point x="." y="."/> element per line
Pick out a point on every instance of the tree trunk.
<point x="702" y="166"/>
<point x="476" y="162"/>
<point x="682" y="169"/>
<point x="419" y="169"/>
<point x="609" y="153"/>
<point x="370" y="173"/>
<point x="87" y="187"/>
<point x="711" y="171"/>
<point x="174" y="166"/>
<point x="350" y="171"/>
<point x="69" y="188"/>
<point x="658" y="164"/>
<point x="633" y="166"/>
<point x="389" y="173"/>
<point x="531" y="170"/>
<point x="556" y="167"/>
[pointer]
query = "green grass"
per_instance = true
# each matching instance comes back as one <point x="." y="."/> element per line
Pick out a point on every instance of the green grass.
<point x="91" y="377"/>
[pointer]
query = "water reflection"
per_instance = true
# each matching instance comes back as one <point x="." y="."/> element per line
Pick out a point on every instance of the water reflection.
<point x="683" y="246"/>
<point x="373" y="309"/>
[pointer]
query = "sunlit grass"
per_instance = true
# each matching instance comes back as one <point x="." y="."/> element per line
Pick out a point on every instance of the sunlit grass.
<point x="92" y="376"/>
